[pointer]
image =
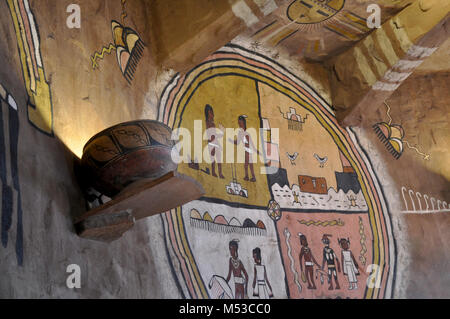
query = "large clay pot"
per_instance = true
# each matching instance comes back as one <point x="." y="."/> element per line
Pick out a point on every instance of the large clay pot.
<point x="125" y="153"/>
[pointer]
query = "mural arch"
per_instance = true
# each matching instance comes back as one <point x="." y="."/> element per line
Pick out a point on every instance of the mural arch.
<point x="324" y="189"/>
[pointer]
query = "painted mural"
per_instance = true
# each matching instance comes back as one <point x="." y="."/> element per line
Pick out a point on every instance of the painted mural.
<point x="311" y="11"/>
<point x="309" y="221"/>
<point x="393" y="137"/>
<point x="11" y="203"/>
<point x="320" y="29"/>
<point x="310" y="27"/>
<point x="40" y="108"/>
<point x="126" y="43"/>
<point x="418" y="203"/>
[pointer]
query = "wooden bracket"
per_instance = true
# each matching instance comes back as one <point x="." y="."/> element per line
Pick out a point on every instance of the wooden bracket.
<point x="138" y="200"/>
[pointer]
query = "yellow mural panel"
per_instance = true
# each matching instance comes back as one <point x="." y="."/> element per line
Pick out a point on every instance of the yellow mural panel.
<point x="230" y="97"/>
<point x="40" y="110"/>
<point x="228" y="82"/>
<point x="310" y="140"/>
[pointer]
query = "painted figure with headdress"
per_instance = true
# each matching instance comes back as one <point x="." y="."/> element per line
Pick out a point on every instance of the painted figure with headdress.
<point x="349" y="265"/>
<point x="261" y="284"/>
<point x="332" y="262"/>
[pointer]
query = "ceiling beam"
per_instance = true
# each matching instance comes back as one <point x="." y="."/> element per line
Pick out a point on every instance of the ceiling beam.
<point x="185" y="32"/>
<point x="368" y="73"/>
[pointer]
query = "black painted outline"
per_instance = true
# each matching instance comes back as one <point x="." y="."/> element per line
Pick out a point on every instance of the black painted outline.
<point x="394" y="275"/>
<point x="311" y="23"/>
<point x="29" y="104"/>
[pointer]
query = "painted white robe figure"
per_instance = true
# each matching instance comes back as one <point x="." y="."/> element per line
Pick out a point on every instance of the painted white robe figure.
<point x="243" y="137"/>
<point x="261" y="289"/>
<point x="349" y="265"/>
<point x="261" y="285"/>
<point x="214" y="137"/>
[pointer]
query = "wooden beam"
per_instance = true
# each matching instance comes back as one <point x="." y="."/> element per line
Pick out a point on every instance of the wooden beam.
<point x="184" y="32"/>
<point x="367" y="74"/>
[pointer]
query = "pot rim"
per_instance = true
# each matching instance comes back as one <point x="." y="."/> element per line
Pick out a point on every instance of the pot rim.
<point x="120" y="124"/>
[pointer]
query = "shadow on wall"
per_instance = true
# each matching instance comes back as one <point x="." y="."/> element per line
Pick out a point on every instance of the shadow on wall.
<point x="11" y="202"/>
<point x="409" y="171"/>
<point x="429" y="248"/>
<point x="427" y="235"/>
<point x="11" y="195"/>
<point x="37" y="109"/>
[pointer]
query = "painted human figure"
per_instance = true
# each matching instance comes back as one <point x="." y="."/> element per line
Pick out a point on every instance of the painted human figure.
<point x="309" y="261"/>
<point x="332" y="262"/>
<point x="238" y="270"/>
<point x="213" y="134"/>
<point x="261" y="285"/>
<point x="249" y="147"/>
<point x="349" y="265"/>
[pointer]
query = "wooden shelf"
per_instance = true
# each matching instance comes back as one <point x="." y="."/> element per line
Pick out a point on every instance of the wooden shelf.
<point x="140" y="199"/>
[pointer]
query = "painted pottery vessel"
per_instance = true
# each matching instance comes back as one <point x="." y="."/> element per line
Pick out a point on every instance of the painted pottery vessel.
<point x="127" y="152"/>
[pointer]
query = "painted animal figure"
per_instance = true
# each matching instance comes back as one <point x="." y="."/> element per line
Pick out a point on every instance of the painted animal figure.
<point x="292" y="158"/>
<point x="321" y="160"/>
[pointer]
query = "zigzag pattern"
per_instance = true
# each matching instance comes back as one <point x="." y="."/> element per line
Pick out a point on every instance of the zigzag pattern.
<point x="322" y="223"/>
<point x="101" y="55"/>
<point x="426" y="157"/>
<point x="362" y="256"/>
<point x="287" y="235"/>
<point x="124" y="12"/>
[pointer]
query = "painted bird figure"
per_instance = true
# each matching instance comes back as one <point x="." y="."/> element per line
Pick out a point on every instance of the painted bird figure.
<point x="292" y="158"/>
<point x="321" y="160"/>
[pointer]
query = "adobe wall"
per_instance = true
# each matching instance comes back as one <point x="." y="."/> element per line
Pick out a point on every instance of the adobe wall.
<point x="55" y="97"/>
